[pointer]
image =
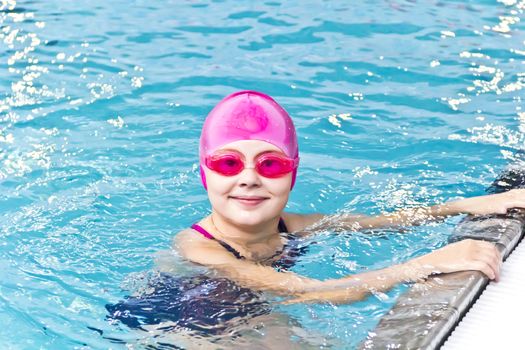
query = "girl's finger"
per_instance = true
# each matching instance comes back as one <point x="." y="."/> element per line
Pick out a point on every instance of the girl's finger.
<point x="485" y="268"/>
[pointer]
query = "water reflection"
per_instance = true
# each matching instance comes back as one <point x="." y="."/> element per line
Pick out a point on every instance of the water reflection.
<point x="100" y="111"/>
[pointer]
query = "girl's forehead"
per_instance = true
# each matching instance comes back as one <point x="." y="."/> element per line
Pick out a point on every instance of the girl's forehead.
<point x="249" y="147"/>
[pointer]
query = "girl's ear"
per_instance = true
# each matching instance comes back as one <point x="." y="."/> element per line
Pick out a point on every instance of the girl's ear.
<point x="203" y="178"/>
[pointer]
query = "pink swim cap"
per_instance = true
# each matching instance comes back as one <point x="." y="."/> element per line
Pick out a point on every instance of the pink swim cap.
<point x="248" y="115"/>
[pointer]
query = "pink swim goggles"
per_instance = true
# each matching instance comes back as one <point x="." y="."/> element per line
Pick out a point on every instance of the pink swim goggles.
<point x="271" y="165"/>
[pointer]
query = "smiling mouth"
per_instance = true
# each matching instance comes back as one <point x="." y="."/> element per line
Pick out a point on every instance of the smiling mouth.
<point x="249" y="200"/>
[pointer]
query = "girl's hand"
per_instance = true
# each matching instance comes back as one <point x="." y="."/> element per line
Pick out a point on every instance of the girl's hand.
<point x="490" y="204"/>
<point x="460" y="256"/>
<point x="468" y="254"/>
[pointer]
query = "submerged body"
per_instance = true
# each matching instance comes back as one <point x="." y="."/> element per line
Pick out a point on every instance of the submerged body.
<point x="201" y="303"/>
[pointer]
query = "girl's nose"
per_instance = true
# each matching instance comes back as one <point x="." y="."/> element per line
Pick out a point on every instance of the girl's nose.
<point x="249" y="178"/>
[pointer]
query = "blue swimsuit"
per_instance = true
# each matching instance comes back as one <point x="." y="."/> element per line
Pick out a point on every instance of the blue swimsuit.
<point x="200" y="303"/>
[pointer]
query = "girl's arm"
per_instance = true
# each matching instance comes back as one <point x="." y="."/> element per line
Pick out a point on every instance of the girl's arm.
<point x="460" y="256"/>
<point x="490" y="204"/>
<point x="465" y="255"/>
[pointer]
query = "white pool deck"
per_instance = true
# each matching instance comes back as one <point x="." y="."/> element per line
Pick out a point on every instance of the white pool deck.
<point x="495" y="321"/>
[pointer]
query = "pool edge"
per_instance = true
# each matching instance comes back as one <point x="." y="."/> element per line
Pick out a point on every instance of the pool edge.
<point x="426" y="314"/>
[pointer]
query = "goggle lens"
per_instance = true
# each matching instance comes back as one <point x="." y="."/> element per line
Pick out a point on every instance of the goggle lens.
<point x="270" y="165"/>
<point x="225" y="164"/>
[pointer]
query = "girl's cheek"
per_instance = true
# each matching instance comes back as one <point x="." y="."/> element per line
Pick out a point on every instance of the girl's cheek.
<point x="217" y="183"/>
<point x="281" y="186"/>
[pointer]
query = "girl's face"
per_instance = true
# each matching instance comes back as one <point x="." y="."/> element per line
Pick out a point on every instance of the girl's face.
<point x="248" y="198"/>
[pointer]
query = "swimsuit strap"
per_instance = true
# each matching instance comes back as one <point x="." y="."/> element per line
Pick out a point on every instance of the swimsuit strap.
<point x="231" y="249"/>
<point x="281" y="227"/>
<point x="202" y="231"/>
<point x="208" y="235"/>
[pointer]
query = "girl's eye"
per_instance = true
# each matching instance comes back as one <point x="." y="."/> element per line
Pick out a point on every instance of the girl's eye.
<point x="268" y="163"/>
<point x="231" y="162"/>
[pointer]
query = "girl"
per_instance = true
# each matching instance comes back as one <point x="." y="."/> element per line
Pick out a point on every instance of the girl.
<point x="248" y="165"/>
<point x="248" y="161"/>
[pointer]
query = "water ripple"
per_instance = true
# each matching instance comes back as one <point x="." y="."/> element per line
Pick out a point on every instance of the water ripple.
<point x="396" y="103"/>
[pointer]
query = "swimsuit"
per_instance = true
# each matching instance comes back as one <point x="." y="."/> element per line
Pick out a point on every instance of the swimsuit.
<point x="200" y="303"/>
<point x="289" y="254"/>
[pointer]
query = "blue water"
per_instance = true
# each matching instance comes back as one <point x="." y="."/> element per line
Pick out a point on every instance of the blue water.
<point x="397" y="103"/>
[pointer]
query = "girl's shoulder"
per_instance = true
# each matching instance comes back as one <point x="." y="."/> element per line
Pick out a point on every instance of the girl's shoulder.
<point x="185" y="236"/>
<point x="194" y="247"/>
<point x="190" y="239"/>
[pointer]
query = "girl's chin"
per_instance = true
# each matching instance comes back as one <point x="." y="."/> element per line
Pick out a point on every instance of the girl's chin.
<point x="250" y="219"/>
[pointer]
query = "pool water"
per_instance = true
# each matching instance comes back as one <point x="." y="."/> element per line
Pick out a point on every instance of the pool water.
<point x="397" y="103"/>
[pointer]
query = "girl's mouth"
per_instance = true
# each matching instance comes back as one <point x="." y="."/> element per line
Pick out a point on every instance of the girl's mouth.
<point x="249" y="200"/>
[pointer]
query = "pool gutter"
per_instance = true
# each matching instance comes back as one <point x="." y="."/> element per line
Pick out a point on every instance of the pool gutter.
<point x="425" y="316"/>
